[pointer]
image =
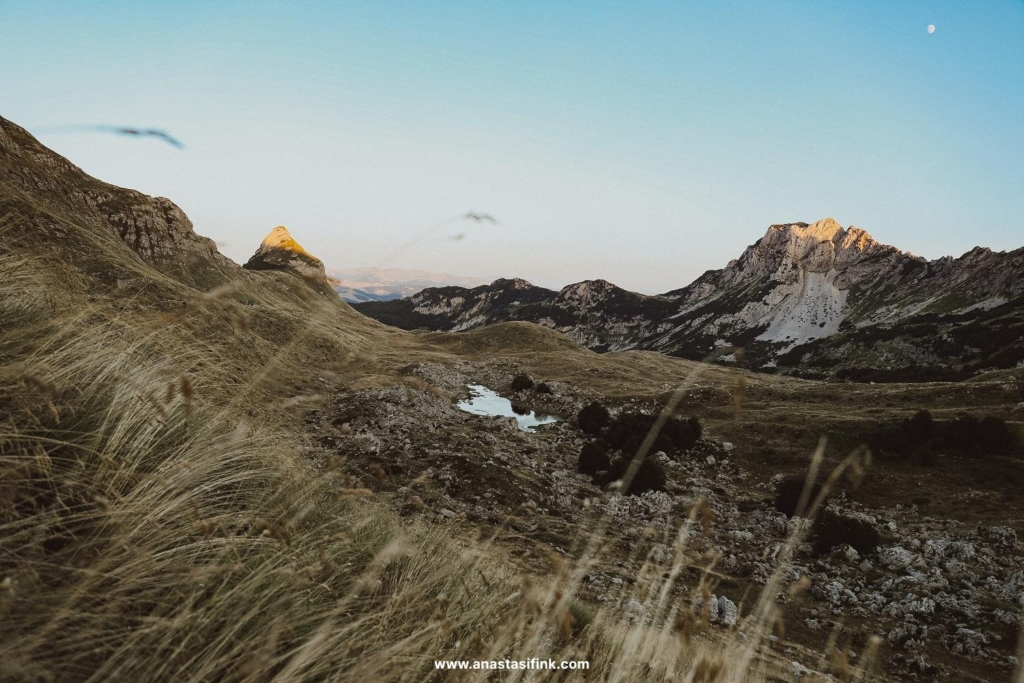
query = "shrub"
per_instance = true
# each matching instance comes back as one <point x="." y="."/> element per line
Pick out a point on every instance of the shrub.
<point x="831" y="529"/>
<point x="662" y="443"/>
<point x="696" y="428"/>
<point x="921" y="437"/>
<point x="921" y="427"/>
<point x="582" y="617"/>
<point x="649" y="477"/>
<point x="788" y="492"/>
<point x="994" y="436"/>
<point x="593" y="459"/>
<point x="961" y="434"/>
<point x="892" y="442"/>
<point x="593" y="418"/>
<point x="521" y="382"/>
<point x="628" y="431"/>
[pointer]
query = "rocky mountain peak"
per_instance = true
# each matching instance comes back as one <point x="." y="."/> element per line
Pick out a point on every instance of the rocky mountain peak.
<point x="801" y="238"/>
<point x="511" y="283"/>
<point x="280" y="251"/>
<point x="280" y="238"/>
<point x="586" y="292"/>
<point x="791" y="248"/>
<point x="827" y="229"/>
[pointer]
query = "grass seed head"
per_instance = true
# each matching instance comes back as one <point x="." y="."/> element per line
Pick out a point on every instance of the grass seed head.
<point x="36" y="382"/>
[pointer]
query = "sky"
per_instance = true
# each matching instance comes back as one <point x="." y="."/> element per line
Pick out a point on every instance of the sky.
<point x="638" y="142"/>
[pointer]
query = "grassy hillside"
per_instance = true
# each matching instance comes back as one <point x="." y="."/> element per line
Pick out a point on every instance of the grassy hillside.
<point x="160" y="521"/>
<point x="163" y="513"/>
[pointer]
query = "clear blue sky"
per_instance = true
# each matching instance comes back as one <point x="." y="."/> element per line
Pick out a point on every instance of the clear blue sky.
<point x="639" y="142"/>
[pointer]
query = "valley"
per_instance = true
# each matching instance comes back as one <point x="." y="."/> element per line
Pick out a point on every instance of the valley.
<point x="225" y="471"/>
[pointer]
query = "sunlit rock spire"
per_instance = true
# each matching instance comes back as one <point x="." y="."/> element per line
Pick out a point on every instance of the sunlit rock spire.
<point x="280" y="251"/>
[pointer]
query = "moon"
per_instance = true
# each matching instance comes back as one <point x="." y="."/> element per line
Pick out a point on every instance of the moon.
<point x="931" y="28"/>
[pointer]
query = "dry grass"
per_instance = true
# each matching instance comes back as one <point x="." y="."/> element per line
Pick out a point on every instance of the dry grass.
<point x="143" y="539"/>
<point x="158" y="520"/>
<point x="157" y="524"/>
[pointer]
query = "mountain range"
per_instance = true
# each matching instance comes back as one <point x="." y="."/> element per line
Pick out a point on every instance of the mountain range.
<point x="816" y="300"/>
<point x="813" y="299"/>
<point x="174" y="424"/>
<point x="357" y="285"/>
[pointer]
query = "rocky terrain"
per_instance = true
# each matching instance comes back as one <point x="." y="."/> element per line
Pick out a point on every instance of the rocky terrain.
<point x="818" y="300"/>
<point x="595" y="313"/>
<point x="945" y="596"/>
<point x="154" y="228"/>
<point x="934" y="589"/>
<point x="280" y="251"/>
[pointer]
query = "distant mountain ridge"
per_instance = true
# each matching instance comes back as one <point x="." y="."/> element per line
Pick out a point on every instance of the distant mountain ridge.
<point x="818" y="299"/>
<point x="357" y="285"/>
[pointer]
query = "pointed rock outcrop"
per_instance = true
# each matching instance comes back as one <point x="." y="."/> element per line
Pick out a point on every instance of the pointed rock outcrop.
<point x="280" y="251"/>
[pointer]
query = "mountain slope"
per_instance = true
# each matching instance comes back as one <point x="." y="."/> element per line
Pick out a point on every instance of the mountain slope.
<point x="57" y="197"/>
<point x="815" y="298"/>
<point x="108" y="254"/>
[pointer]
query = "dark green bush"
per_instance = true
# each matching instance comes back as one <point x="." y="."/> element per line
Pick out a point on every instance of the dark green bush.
<point x="521" y="382"/>
<point x="582" y="617"/>
<point x="788" y="492"/>
<point x="593" y="418"/>
<point x="593" y="459"/>
<point x="627" y="432"/>
<point x="632" y="445"/>
<point x="696" y="428"/>
<point x="832" y="528"/>
<point x="922" y="437"/>
<point x="921" y="427"/>
<point x="649" y="477"/>
<point x="893" y="442"/>
<point x="995" y="436"/>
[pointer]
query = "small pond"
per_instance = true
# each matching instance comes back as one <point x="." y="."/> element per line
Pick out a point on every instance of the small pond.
<point x="483" y="401"/>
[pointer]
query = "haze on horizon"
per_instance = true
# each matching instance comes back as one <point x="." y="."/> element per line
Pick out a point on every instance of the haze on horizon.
<point x="640" y="143"/>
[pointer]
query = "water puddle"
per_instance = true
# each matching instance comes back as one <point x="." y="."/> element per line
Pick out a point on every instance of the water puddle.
<point x="483" y="401"/>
